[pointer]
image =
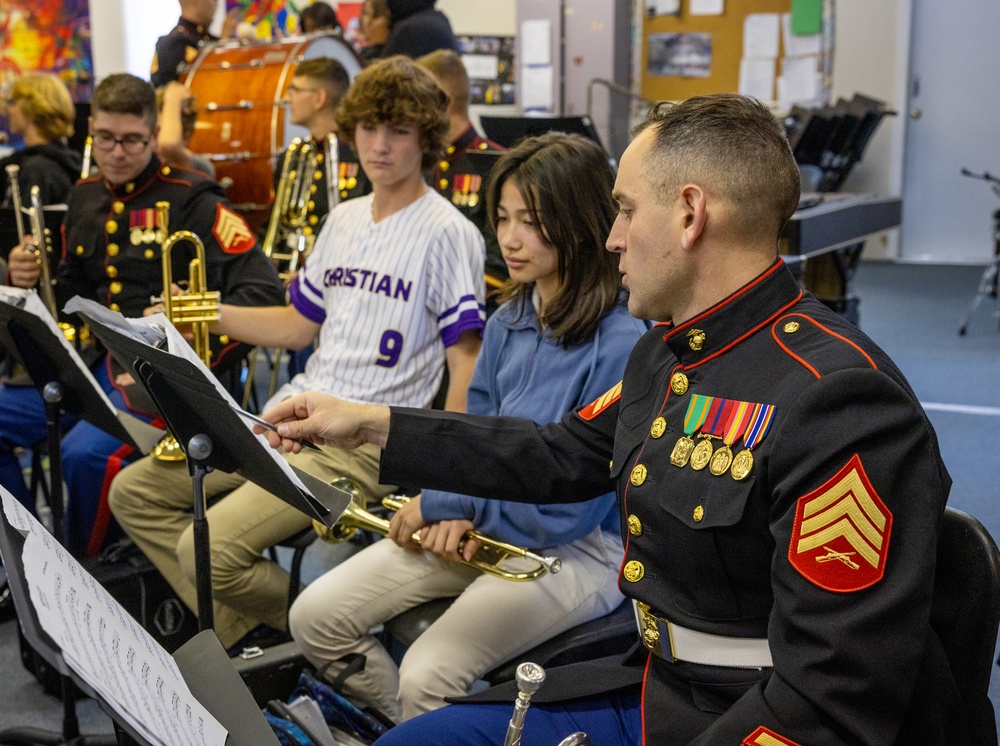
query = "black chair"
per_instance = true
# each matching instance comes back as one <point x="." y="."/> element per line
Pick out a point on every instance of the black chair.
<point x="965" y="613"/>
<point x="606" y="635"/>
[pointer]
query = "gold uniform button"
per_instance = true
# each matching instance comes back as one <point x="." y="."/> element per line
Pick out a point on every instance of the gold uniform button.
<point x="313" y="189"/>
<point x="112" y="249"/>
<point x="679" y="383"/>
<point x="638" y="475"/>
<point x="317" y="174"/>
<point x="165" y="170"/>
<point x="224" y="338"/>
<point x="111" y="271"/>
<point x="634" y="525"/>
<point x="114" y="307"/>
<point x="149" y="253"/>
<point x="111" y="226"/>
<point x="791" y="327"/>
<point x="313" y="220"/>
<point x="699" y="513"/>
<point x="319" y="157"/>
<point x="483" y="146"/>
<point x="308" y="231"/>
<point x="118" y="207"/>
<point x="310" y="205"/>
<point x="658" y="427"/>
<point x="633" y="571"/>
<point x="443" y="165"/>
<point x="115" y="288"/>
<point x="79" y="250"/>
<point x="343" y="193"/>
<point x="443" y="183"/>
<point x="450" y="149"/>
<point x="130" y="187"/>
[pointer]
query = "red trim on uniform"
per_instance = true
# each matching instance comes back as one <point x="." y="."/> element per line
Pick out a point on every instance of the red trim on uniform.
<point x="791" y="354"/>
<point x="832" y="333"/>
<point x="642" y="701"/>
<point x="742" y="291"/>
<point x="754" y="738"/>
<point x="103" y="517"/>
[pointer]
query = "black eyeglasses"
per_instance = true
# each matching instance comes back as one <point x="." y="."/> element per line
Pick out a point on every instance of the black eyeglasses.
<point x="131" y="144"/>
<point x="292" y="88"/>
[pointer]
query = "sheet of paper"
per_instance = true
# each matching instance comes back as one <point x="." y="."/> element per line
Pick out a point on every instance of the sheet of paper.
<point x="798" y="45"/>
<point x="484" y="66"/>
<point x="33" y="304"/>
<point x="536" y="88"/>
<point x="706" y="7"/>
<point x="757" y="78"/>
<point x="105" y="646"/>
<point x="760" y="35"/>
<point x="536" y="42"/>
<point x="799" y="82"/>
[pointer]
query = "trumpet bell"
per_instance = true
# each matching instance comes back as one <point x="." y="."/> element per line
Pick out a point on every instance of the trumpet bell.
<point x="168" y="449"/>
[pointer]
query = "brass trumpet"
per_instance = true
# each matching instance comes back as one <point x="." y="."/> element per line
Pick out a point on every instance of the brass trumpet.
<point x="88" y="149"/>
<point x="487" y="558"/>
<point x="35" y="216"/>
<point x="198" y="306"/>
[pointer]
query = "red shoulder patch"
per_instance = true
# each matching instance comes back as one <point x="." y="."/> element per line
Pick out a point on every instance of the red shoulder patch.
<point x="840" y="539"/>
<point x="232" y="231"/>
<point x="766" y="737"/>
<point x="600" y="404"/>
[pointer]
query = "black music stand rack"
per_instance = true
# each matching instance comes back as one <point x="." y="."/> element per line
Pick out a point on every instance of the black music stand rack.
<point x="212" y="436"/>
<point x="506" y="131"/>
<point x="203" y="662"/>
<point x="990" y="279"/>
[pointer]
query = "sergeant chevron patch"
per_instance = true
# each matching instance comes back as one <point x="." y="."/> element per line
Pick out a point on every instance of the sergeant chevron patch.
<point x="231" y="231"/>
<point x="840" y="539"/>
<point x="766" y="737"/>
<point x="602" y="402"/>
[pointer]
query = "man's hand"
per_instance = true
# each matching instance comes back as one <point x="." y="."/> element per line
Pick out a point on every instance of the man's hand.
<point x="24" y="264"/>
<point x="324" y="420"/>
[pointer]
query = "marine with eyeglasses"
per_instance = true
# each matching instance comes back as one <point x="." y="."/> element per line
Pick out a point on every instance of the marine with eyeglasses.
<point x="111" y="254"/>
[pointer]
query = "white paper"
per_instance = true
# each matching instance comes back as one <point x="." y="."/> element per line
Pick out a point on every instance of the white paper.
<point x="536" y="88"/>
<point x="797" y="45"/>
<point x="481" y="66"/>
<point x="757" y="78"/>
<point x="536" y="42"/>
<point x="33" y="304"/>
<point x="706" y="7"/>
<point x="760" y="35"/>
<point x="106" y="647"/>
<point x="799" y="81"/>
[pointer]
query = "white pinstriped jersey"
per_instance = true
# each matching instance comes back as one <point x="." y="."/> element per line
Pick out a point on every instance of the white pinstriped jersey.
<point x="390" y="297"/>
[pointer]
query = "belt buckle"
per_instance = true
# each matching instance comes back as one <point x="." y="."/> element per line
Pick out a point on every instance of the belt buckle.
<point x="649" y="631"/>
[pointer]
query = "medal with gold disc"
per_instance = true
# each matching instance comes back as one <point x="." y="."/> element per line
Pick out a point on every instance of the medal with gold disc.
<point x="713" y="427"/>
<point x="693" y="419"/>
<point x="738" y="419"/>
<point x="758" y="424"/>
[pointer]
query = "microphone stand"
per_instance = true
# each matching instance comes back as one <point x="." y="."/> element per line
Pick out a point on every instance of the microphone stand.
<point x="989" y="282"/>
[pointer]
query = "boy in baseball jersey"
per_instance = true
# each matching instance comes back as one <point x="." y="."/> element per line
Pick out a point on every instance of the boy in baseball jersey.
<point x="394" y="288"/>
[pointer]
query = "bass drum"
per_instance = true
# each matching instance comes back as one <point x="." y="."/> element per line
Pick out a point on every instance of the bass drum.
<point x="242" y="124"/>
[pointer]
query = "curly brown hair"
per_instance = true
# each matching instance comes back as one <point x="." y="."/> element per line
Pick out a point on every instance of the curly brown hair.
<point x="396" y="91"/>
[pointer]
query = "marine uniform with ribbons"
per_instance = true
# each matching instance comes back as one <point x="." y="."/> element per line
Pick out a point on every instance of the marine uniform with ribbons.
<point x="111" y="254"/>
<point x="462" y="180"/>
<point x="781" y="491"/>
<point x="180" y="47"/>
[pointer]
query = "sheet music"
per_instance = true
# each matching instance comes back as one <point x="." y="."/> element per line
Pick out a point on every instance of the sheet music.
<point x="105" y="646"/>
<point x="33" y="304"/>
<point x="176" y="345"/>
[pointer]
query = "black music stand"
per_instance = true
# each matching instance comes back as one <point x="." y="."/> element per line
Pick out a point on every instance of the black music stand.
<point x="213" y="436"/>
<point x="506" y="131"/>
<point x="204" y="665"/>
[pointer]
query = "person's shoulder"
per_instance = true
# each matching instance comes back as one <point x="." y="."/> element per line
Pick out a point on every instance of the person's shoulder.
<point x="619" y="321"/>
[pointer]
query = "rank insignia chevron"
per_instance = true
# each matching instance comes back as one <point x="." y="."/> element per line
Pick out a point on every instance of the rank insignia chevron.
<point x="766" y="737"/>
<point x="840" y="539"/>
<point x="231" y="231"/>
<point x="602" y="402"/>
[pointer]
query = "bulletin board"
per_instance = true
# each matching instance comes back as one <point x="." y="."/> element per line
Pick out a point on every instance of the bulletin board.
<point x="727" y="48"/>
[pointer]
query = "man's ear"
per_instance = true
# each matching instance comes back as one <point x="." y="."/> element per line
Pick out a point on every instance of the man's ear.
<point x="695" y="213"/>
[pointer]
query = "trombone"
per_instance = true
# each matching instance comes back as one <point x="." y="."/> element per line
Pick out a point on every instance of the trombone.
<point x="197" y="307"/>
<point x="488" y="557"/>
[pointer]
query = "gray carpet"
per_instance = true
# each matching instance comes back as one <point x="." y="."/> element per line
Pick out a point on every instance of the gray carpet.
<point x="912" y="311"/>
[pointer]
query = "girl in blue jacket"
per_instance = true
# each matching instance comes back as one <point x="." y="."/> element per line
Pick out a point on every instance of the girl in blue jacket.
<point x="559" y="342"/>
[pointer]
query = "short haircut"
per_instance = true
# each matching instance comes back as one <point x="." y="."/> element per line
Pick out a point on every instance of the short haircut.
<point x="122" y="93"/>
<point x="329" y="73"/>
<point x="396" y="91"/>
<point x="317" y="17"/>
<point x="734" y="147"/>
<point x="566" y="182"/>
<point x="449" y="71"/>
<point x="46" y="103"/>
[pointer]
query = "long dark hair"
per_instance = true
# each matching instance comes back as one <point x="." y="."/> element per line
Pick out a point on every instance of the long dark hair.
<point x="566" y="182"/>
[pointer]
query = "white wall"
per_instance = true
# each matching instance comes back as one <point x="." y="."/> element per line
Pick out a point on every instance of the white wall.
<point x="480" y="17"/>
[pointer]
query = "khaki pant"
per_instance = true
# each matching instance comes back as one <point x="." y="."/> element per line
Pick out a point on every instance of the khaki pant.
<point x="152" y="501"/>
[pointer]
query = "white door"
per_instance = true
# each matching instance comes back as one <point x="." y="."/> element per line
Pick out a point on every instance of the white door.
<point x="953" y="121"/>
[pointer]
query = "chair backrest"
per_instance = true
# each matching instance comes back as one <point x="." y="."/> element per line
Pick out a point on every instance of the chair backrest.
<point x="965" y="611"/>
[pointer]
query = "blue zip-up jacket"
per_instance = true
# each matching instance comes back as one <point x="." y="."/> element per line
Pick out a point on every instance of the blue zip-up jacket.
<point x="522" y="372"/>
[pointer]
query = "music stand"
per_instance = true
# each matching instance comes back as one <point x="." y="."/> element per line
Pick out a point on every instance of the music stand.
<point x="204" y="665"/>
<point x="506" y="131"/>
<point x="213" y="436"/>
